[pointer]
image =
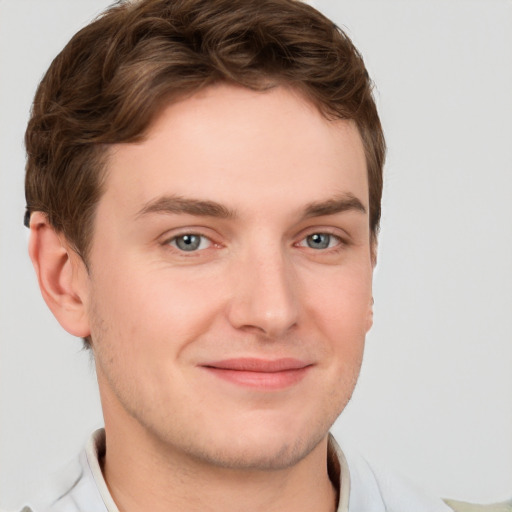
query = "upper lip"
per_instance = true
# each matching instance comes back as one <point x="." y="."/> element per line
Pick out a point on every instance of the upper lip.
<point x="253" y="364"/>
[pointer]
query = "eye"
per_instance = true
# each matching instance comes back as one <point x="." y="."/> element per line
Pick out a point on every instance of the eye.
<point x="320" y="241"/>
<point x="190" y="242"/>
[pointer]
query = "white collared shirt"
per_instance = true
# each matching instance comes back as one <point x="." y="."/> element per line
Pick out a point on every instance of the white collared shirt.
<point x="362" y="488"/>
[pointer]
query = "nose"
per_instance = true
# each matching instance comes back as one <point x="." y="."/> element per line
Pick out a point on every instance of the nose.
<point x="264" y="298"/>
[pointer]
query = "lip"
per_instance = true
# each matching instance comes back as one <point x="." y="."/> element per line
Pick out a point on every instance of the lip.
<point x="265" y="374"/>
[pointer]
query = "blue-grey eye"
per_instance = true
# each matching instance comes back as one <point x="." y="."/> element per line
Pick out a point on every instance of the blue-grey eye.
<point x="190" y="242"/>
<point x="320" y="241"/>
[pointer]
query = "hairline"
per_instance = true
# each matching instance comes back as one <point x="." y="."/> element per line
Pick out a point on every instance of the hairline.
<point x="103" y="151"/>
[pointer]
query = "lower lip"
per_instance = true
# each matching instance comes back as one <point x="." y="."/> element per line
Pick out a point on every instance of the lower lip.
<point x="261" y="380"/>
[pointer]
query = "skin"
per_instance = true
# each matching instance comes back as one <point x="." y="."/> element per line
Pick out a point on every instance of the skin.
<point x="274" y="276"/>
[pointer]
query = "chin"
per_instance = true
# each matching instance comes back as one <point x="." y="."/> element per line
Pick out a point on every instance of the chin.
<point x="267" y="453"/>
<point x="264" y="444"/>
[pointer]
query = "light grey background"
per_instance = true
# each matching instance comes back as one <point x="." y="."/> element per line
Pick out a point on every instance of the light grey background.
<point x="435" y="396"/>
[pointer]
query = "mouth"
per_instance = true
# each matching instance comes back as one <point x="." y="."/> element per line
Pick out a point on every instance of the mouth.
<point x="265" y="374"/>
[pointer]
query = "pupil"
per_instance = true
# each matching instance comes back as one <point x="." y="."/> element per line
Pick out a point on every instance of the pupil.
<point x="188" y="242"/>
<point x="318" y="241"/>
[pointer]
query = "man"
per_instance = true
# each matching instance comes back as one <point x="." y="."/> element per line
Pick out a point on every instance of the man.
<point x="203" y="193"/>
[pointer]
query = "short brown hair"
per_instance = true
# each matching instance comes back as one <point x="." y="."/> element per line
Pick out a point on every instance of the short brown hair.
<point x="115" y="75"/>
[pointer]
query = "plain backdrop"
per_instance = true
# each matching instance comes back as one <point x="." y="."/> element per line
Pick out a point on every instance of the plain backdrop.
<point x="434" y="399"/>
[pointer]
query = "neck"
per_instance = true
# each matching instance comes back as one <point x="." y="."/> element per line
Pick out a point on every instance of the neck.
<point x="143" y="475"/>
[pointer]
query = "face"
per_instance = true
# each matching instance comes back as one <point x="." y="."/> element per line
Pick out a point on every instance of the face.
<point x="229" y="291"/>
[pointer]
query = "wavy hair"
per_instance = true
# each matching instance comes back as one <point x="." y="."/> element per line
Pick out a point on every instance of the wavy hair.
<point x="116" y="74"/>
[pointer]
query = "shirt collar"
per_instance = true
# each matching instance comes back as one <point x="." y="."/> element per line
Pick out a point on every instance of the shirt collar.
<point x="336" y="465"/>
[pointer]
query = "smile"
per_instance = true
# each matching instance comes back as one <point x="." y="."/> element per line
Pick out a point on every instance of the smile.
<point x="260" y="373"/>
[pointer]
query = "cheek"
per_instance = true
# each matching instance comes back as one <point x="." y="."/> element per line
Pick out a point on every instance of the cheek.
<point x="341" y="304"/>
<point x="141" y="305"/>
<point x="343" y="297"/>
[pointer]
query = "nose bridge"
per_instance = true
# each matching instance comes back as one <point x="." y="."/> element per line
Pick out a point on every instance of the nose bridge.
<point x="265" y="297"/>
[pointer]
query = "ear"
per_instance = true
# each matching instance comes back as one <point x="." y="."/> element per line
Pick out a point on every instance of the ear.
<point x="61" y="274"/>
<point x="369" y="318"/>
<point x="373" y="258"/>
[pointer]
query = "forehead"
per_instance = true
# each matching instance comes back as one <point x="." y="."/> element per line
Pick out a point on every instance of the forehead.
<point x="241" y="147"/>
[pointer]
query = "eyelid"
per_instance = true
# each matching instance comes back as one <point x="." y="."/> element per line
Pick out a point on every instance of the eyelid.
<point x="178" y="231"/>
<point x="327" y="230"/>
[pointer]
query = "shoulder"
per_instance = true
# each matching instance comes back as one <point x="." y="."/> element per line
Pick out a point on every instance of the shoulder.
<point x="75" y="488"/>
<point x="376" y="488"/>
<point x="54" y="489"/>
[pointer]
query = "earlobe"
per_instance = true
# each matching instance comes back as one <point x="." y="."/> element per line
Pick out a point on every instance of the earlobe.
<point x="369" y="320"/>
<point x="61" y="275"/>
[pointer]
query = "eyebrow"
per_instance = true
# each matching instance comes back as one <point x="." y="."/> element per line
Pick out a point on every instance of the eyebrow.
<point x="203" y="208"/>
<point x="178" y="204"/>
<point x="338" y="204"/>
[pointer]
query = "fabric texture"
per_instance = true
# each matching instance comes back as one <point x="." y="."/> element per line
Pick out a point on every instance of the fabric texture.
<point x="462" y="506"/>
